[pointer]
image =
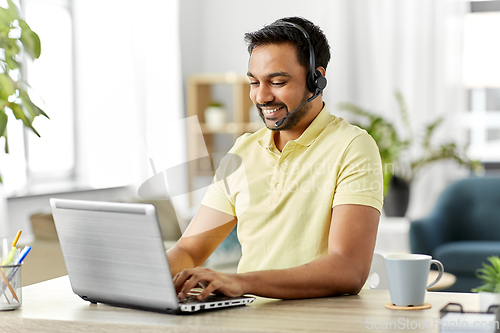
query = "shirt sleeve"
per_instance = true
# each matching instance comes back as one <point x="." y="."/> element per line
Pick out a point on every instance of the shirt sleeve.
<point x="221" y="193"/>
<point x="360" y="178"/>
<point x="216" y="198"/>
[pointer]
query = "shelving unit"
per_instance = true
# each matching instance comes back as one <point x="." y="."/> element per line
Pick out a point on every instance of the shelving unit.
<point x="200" y="93"/>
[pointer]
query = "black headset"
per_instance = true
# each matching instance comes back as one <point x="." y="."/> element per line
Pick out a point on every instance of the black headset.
<point x="315" y="81"/>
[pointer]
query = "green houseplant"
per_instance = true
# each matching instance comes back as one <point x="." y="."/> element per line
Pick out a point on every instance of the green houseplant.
<point x="399" y="168"/>
<point x="489" y="274"/>
<point x="489" y="291"/>
<point x="17" y="41"/>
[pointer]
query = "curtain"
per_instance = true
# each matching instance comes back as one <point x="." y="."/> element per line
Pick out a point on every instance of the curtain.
<point x="414" y="46"/>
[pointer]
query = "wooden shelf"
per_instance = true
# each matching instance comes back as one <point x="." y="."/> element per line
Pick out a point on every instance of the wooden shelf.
<point x="199" y="96"/>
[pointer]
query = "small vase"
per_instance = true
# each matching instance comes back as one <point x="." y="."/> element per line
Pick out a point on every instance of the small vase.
<point x="486" y="299"/>
<point x="215" y="117"/>
<point x="398" y="197"/>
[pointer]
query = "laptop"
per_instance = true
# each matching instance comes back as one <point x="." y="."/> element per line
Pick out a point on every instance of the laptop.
<point x="114" y="254"/>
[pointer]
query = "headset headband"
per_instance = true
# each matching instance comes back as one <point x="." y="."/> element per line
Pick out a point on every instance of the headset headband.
<point x="315" y="80"/>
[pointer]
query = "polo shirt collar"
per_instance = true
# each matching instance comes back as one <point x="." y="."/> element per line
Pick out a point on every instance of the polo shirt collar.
<point x="307" y="138"/>
<point x="315" y="128"/>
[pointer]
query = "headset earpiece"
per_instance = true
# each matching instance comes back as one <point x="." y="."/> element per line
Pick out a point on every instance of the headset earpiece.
<point x="320" y="81"/>
<point x="316" y="81"/>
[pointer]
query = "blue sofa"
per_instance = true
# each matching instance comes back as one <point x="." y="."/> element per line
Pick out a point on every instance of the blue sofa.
<point x="462" y="230"/>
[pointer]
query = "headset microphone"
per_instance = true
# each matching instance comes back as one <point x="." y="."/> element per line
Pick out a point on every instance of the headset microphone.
<point x="279" y="122"/>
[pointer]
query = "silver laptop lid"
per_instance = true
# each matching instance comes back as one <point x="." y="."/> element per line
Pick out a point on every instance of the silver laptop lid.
<point x="114" y="253"/>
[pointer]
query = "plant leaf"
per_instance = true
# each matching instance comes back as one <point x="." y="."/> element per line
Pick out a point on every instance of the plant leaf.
<point x="5" y="19"/>
<point x="3" y="122"/>
<point x="490" y="275"/>
<point x="6" y="143"/>
<point x="429" y="131"/>
<point x="30" y="40"/>
<point x="404" y="112"/>
<point x="6" y="86"/>
<point x="19" y="114"/>
<point x="12" y="11"/>
<point x="495" y="261"/>
<point x="32" y="107"/>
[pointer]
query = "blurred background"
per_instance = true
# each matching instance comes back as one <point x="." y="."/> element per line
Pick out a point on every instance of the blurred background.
<point x="113" y="72"/>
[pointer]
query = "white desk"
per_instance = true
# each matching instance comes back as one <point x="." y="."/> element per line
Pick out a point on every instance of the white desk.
<point x="51" y="306"/>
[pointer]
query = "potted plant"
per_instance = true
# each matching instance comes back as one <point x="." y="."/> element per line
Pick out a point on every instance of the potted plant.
<point x="489" y="291"/>
<point x="17" y="41"/>
<point x="399" y="168"/>
<point x="215" y="115"/>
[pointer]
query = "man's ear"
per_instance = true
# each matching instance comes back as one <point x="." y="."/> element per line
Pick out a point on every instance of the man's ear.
<point x="322" y="70"/>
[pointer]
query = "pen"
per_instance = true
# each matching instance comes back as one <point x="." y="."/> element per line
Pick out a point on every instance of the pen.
<point x="22" y="255"/>
<point x="7" y="259"/>
<point x="16" y="239"/>
<point x="18" y="261"/>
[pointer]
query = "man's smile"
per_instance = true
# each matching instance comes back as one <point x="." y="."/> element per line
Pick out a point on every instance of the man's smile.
<point x="270" y="113"/>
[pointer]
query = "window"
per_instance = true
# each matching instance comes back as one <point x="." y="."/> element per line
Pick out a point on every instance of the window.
<point x="482" y="80"/>
<point x="33" y="160"/>
<point x="51" y="76"/>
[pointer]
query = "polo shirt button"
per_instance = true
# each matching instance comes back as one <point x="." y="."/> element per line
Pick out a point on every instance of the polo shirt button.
<point x="278" y="185"/>
<point x="283" y="165"/>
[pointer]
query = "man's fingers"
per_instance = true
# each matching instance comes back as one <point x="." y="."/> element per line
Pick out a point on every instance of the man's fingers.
<point x="182" y="278"/>
<point x="191" y="280"/>
<point x="210" y="288"/>
<point x="203" y="284"/>
<point x="209" y="280"/>
<point x="188" y="285"/>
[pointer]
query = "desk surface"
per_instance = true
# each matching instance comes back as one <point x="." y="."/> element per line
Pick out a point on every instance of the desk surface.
<point x="51" y="306"/>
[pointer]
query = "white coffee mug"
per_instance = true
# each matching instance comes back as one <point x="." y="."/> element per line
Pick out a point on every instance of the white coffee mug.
<point x="407" y="276"/>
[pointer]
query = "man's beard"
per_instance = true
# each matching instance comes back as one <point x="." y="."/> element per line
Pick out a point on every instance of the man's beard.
<point x="293" y="120"/>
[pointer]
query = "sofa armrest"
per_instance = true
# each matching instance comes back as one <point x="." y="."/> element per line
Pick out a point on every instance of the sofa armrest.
<point x="424" y="235"/>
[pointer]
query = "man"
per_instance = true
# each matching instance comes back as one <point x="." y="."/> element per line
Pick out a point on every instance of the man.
<point x="307" y="197"/>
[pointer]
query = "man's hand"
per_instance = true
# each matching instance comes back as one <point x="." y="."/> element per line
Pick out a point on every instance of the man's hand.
<point x="212" y="282"/>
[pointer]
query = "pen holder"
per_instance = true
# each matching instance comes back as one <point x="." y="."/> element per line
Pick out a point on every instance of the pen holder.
<point x="10" y="287"/>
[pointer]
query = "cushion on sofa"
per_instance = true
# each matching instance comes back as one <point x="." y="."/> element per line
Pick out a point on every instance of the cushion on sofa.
<point x="465" y="257"/>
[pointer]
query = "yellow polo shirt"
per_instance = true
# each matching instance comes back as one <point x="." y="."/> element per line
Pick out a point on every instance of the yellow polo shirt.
<point x="283" y="200"/>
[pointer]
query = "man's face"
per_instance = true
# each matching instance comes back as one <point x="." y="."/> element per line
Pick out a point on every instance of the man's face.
<point x="278" y="84"/>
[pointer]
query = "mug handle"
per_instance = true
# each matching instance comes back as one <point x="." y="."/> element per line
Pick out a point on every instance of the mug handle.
<point x="440" y="272"/>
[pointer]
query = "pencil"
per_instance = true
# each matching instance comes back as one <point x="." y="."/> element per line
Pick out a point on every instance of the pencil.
<point x="4" y="278"/>
<point x="16" y="239"/>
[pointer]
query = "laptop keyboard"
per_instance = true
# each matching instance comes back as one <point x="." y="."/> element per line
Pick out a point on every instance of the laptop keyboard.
<point x="191" y="298"/>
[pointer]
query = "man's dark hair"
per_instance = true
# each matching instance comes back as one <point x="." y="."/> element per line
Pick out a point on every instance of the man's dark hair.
<point x="277" y="34"/>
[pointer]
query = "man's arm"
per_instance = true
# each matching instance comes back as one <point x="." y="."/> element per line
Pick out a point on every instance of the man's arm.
<point x="344" y="270"/>
<point x="206" y="231"/>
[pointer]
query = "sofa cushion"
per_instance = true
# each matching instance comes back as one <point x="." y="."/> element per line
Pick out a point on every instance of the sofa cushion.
<point x="465" y="257"/>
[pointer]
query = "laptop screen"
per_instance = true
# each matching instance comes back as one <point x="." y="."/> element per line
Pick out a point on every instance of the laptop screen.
<point x="114" y="253"/>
